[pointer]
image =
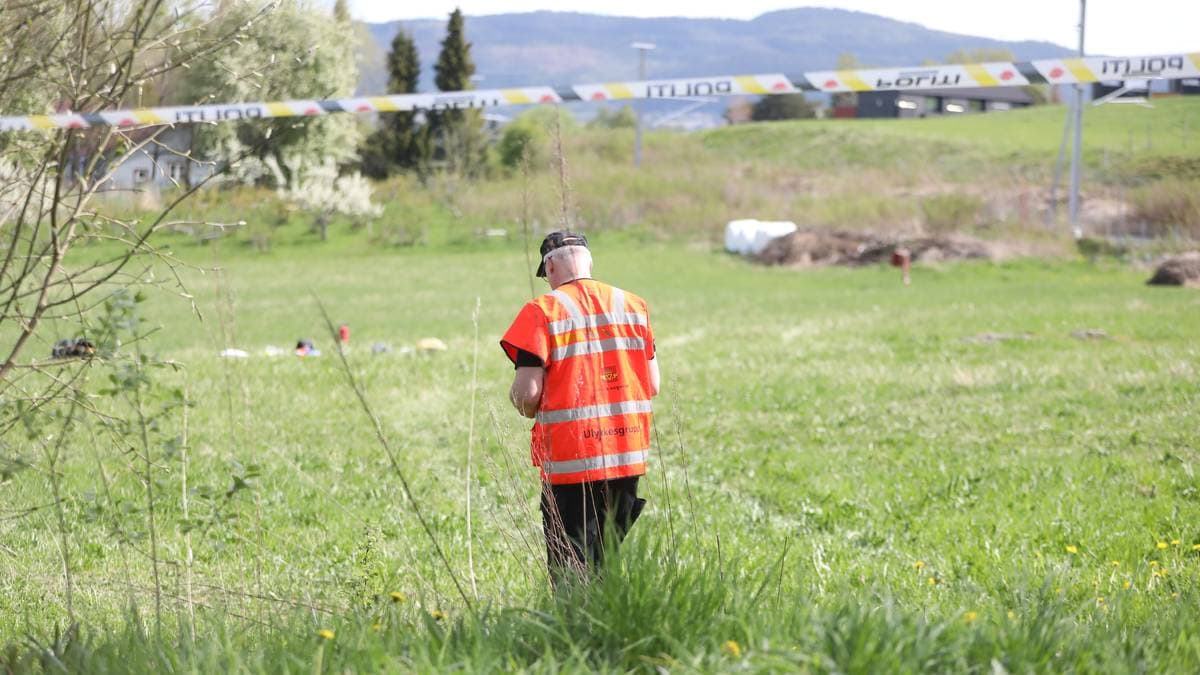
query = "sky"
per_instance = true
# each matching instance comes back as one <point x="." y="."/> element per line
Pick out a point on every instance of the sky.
<point x="1114" y="27"/>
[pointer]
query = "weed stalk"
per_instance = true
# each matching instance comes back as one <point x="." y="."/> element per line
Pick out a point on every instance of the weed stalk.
<point x="391" y="455"/>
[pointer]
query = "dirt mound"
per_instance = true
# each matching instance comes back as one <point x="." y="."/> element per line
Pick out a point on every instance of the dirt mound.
<point x="1182" y="270"/>
<point x="819" y="246"/>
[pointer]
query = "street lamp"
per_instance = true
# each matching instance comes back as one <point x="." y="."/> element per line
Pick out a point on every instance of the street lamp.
<point x="642" y="48"/>
<point x="1077" y="149"/>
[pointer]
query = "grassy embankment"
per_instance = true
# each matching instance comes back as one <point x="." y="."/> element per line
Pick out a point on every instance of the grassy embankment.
<point x="984" y="174"/>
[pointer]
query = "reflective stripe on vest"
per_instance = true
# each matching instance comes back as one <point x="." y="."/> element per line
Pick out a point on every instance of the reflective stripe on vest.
<point x="569" y="305"/>
<point x="593" y="412"/>
<point x="616" y="317"/>
<point x="593" y="463"/>
<point x="593" y="321"/>
<point x="597" y="347"/>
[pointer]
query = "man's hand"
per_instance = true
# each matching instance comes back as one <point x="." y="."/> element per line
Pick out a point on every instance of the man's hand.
<point x="655" y="377"/>
<point x="526" y="391"/>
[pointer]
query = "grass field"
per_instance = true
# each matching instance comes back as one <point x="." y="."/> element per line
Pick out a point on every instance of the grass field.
<point x="849" y="476"/>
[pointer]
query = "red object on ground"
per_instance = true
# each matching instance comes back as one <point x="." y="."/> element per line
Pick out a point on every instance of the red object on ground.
<point x="902" y="258"/>
<point x="344" y="334"/>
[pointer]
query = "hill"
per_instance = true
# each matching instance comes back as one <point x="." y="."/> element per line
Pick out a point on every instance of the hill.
<point x="564" y="47"/>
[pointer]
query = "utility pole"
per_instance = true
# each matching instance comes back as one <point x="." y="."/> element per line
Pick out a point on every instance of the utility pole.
<point x="642" y="48"/>
<point x="1077" y="150"/>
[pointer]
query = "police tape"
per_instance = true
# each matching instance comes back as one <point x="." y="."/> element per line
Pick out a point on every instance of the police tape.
<point x="994" y="74"/>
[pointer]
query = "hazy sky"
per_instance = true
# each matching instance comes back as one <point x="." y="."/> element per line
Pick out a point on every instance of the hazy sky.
<point x="1114" y="27"/>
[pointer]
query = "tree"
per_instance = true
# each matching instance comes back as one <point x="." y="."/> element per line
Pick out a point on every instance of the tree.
<point x="49" y="180"/>
<point x="457" y="134"/>
<point x="67" y="311"/>
<point x="400" y="143"/>
<point x="299" y="54"/>
<point x="782" y="107"/>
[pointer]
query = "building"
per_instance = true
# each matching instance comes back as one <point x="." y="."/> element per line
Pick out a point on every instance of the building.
<point x="164" y="162"/>
<point x="930" y="102"/>
<point x="1188" y="87"/>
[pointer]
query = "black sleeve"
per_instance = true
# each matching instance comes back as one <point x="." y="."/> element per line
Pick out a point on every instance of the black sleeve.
<point x="528" y="359"/>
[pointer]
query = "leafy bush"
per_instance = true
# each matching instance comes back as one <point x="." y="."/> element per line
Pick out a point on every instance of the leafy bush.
<point x="783" y="107"/>
<point x="516" y="141"/>
<point x="530" y="133"/>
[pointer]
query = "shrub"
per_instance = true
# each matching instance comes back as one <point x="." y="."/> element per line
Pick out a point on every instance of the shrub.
<point x="530" y="133"/>
<point x="622" y="118"/>
<point x="1166" y="206"/>
<point x="949" y="212"/>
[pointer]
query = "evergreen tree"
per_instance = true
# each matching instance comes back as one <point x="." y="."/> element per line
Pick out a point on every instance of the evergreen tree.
<point x="400" y="143"/>
<point x="456" y="134"/>
<point x="454" y="66"/>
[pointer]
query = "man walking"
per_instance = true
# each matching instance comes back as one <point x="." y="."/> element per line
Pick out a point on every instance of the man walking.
<point x="585" y="373"/>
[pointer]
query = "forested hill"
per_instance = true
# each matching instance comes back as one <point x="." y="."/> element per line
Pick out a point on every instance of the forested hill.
<point x="563" y="47"/>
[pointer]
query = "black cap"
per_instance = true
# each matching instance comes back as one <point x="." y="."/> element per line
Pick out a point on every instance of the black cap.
<point x="559" y="239"/>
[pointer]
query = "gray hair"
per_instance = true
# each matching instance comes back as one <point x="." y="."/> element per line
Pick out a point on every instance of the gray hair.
<point x="581" y="256"/>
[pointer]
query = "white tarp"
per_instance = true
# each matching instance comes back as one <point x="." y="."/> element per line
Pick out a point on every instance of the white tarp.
<point x="750" y="237"/>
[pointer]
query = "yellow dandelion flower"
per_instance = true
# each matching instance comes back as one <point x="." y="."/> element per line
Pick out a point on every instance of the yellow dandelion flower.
<point x="376" y="627"/>
<point x="1127" y="585"/>
<point x="1174" y="542"/>
<point x="1163" y="572"/>
<point x="1154" y="563"/>
<point x="325" y="633"/>
<point x="1161" y="545"/>
<point x="932" y="581"/>
<point x="1072" y="548"/>
<point x="397" y="596"/>
<point x="1099" y="599"/>
<point x="1196" y="547"/>
<point x="1012" y="616"/>
<point x="920" y="564"/>
<point x="437" y="615"/>
<point x="1175" y="596"/>
<point x="1116" y="563"/>
<point x="732" y="648"/>
<point x="970" y="617"/>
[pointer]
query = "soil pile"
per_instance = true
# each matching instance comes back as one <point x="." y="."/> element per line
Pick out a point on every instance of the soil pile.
<point x="1182" y="270"/>
<point x="820" y="246"/>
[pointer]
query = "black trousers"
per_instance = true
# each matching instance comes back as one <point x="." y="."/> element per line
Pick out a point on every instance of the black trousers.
<point x="577" y="517"/>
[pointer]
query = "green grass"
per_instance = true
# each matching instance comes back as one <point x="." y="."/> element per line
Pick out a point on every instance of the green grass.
<point x="1112" y="134"/>
<point x="912" y="475"/>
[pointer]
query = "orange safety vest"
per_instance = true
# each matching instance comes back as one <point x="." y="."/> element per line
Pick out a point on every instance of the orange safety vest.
<point x="593" y="422"/>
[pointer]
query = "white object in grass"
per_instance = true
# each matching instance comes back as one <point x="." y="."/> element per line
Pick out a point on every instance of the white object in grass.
<point x="750" y="236"/>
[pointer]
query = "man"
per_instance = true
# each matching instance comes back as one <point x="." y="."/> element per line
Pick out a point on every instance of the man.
<point x="585" y="373"/>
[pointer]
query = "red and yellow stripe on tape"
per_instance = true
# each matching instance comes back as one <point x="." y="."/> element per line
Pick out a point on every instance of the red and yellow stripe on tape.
<point x="996" y="74"/>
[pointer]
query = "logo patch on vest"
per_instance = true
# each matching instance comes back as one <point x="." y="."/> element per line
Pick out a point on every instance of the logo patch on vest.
<point x="610" y="374"/>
